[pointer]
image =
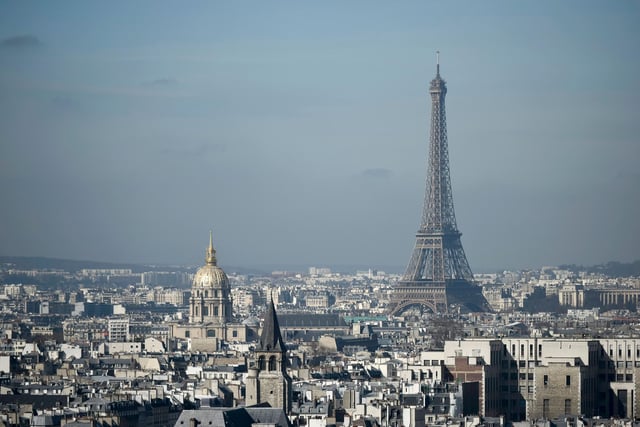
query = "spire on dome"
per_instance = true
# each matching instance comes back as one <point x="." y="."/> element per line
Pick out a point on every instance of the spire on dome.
<point x="271" y="338"/>
<point x="210" y="257"/>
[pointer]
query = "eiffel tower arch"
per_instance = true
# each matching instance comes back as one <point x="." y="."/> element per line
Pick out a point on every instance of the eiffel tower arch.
<point x="438" y="274"/>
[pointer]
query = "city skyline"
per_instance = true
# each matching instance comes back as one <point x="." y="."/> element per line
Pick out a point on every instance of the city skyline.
<point x="299" y="133"/>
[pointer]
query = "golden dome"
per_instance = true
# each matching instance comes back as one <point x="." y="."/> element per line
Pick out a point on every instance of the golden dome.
<point x="210" y="275"/>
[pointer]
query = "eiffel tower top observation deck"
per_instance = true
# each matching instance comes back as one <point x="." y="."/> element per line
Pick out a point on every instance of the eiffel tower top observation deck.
<point x="438" y="273"/>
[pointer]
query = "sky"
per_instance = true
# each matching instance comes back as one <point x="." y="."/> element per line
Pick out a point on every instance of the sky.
<point x="298" y="131"/>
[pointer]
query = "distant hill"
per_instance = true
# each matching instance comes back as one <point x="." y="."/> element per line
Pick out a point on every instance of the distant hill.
<point x="611" y="269"/>
<point x="72" y="266"/>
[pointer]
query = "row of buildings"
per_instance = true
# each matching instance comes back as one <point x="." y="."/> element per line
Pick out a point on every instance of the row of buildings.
<point x="200" y="363"/>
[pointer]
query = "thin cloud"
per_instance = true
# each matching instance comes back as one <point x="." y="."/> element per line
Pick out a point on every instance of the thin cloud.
<point x="162" y="82"/>
<point x="63" y="103"/>
<point x="381" y="173"/>
<point x="25" y="41"/>
<point x="198" y="151"/>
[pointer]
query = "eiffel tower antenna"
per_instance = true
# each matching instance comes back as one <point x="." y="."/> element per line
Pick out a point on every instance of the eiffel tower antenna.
<point x="438" y="273"/>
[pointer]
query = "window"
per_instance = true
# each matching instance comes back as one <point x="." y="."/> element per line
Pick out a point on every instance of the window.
<point x="215" y="311"/>
<point x="545" y="408"/>
<point x="546" y="380"/>
<point x="568" y="380"/>
<point x="521" y="349"/>
<point x="211" y="333"/>
<point x="261" y="363"/>
<point x="187" y="334"/>
<point x="272" y="363"/>
<point x="530" y="350"/>
<point x="567" y="406"/>
<point x="234" y="333"/>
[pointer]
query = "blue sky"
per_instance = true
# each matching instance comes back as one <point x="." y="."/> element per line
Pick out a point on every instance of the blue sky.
<point x="298" y="131"/>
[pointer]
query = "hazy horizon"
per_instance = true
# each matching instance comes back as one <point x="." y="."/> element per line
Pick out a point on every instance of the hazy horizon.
<point x="298" y="268"/>
<point x="299" y="132"/>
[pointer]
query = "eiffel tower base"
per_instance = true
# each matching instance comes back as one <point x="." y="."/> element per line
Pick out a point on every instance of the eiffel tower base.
<point x="438" y="297"/>
<point x="467" y="296"/>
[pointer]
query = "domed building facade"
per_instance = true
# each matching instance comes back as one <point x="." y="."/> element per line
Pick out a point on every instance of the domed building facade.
<point x="210" y="300"/>
<point x="211" y="320"/>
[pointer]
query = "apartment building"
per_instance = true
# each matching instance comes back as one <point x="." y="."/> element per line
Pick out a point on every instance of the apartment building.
<point x="536" y="378"/>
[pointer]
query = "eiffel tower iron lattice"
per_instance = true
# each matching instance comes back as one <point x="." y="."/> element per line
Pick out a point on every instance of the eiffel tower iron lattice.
<point x="438" y="274"/>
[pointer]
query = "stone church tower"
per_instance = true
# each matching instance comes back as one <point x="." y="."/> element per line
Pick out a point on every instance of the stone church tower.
<point x="268" y="380"/>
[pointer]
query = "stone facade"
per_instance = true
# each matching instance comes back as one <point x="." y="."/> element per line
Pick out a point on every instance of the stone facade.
<point x="535" y="378"/>
<point x="268" y="380"/>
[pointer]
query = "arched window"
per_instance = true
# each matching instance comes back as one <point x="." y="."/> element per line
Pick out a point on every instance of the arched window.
<point x="261" y="363"/>
<point x="272" y="363"/>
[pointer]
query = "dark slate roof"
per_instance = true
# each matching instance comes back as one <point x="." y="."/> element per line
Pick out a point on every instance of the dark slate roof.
<point x="38" y="401"/>
<point x="268" y="416"/>
<point x="312" y="320"/>
<point x="413" y="399"/>
<point x="236" y="417"/>
<point x="78" y="424"/>
<point x="271" y="339"/>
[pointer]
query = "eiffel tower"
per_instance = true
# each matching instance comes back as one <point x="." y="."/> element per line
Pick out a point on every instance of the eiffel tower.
<point x="438" y="274"/>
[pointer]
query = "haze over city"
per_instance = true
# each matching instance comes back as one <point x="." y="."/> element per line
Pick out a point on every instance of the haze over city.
<point x="299" y="132"/>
